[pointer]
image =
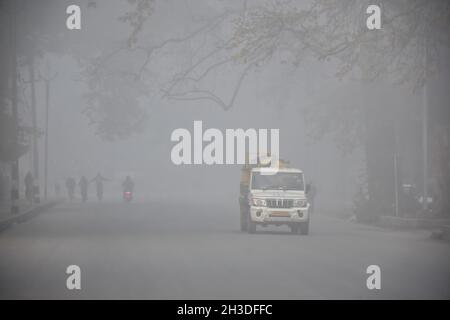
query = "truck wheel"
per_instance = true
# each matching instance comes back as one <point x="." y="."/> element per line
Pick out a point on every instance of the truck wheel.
<point x="294" y="228"/>
<point x="251" y="226"/>
<point x="304" y="228"/>
<point x="243" y="222"/>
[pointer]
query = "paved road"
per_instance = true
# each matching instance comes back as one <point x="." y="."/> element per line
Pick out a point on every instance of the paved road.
<point x="157" y="250"/>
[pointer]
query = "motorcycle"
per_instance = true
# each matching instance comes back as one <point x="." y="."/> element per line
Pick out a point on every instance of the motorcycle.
<point x="99" y="192"/>
<point x="127" y="196"/>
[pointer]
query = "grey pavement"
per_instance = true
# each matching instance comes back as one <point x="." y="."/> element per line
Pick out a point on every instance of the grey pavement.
<point x="161" y="250"/>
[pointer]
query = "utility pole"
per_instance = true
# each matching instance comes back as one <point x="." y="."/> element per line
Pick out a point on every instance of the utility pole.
<point x="47" y="105"/>
<point x="396" y="182"/>
<point x="396" y="152"/>
<point x="47" y="94"/>
<point x="425" y="130"/>
<point x="425" y="147"/>
<point x="15" y="142"/>
<point x="35" y="130"/>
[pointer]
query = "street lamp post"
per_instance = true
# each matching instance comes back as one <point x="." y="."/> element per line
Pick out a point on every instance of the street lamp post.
<point x="425" y="148"/>
<point x="15" y="161"/>
<point x="425" y="129"/>
<point x="47" y="94"/>
<point x="36" y="191"/>
<point x="47" y="106"/>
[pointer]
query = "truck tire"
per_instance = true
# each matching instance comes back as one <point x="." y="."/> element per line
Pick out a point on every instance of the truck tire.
<point x="294" y="228"/>
<point x="243" y="212"/>
<point x="304" y="228"/>
<point x="251" y="226"/>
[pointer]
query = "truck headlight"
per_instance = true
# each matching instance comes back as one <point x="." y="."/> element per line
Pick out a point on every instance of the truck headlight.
<point x="300" y="203"/>
<point x="259" y="202"/>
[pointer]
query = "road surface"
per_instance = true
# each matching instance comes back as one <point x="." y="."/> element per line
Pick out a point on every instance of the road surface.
<point x="186" y="251"/>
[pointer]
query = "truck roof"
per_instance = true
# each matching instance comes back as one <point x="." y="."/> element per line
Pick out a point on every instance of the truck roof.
<point x="293" y="170"/>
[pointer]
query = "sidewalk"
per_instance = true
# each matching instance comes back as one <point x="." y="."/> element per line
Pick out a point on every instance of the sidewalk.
<point x="26" y="211"/>
<point x="440" y="228"/>
<point x="5" y="208"/>
<point x="420" y="223"/>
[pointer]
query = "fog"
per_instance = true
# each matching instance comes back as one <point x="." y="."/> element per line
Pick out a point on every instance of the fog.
<point x="349" y="103"/>
<point x="269" y="98"/>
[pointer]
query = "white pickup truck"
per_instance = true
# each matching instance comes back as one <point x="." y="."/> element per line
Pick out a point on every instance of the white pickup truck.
<point x="275" y="199"/>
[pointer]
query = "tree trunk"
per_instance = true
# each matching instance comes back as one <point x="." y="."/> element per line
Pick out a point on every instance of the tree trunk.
<point x="379" y="150"/>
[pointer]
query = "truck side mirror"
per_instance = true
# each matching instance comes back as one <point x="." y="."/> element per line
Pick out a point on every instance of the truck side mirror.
<point x="308" y="187"/>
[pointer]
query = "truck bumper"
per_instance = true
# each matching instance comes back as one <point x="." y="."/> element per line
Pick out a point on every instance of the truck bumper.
<point x="265" y="215"/>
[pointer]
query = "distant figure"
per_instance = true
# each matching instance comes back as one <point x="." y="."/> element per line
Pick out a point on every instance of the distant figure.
<point x="311" y="196"/>
<point x="408" y="203"/>
<point x="128" y="184"/>
<point x="70" y="185"/>
<point x="83" y="188"/>
<point x="29" y="182"/>
<point x="99" y="179"/>
<point x="57" y="189"/>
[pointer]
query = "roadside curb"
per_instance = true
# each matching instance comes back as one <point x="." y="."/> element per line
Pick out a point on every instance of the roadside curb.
<point x="24" y="216"/>
<point x="412" y="223"/>
<point x="443" y="233"/>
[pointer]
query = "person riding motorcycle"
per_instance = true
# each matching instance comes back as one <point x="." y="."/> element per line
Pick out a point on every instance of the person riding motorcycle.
<point x="99" y="179"/>
<point x="83" y="188"/>
<point x="29" y="183"/>
<point x="128" y="184"/>
<point x="70" y="185"/>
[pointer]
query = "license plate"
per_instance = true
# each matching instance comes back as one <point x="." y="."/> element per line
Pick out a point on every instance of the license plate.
<point x="280" y="214"/>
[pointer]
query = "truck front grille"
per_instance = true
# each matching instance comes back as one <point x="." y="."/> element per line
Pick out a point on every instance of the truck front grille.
<point x="279" y="203"/>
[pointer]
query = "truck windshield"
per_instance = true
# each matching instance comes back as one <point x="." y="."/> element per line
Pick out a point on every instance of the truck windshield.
<point x="279" y="181"/>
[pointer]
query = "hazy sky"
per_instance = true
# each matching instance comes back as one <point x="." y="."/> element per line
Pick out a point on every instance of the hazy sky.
<point x="271" y="96"/>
